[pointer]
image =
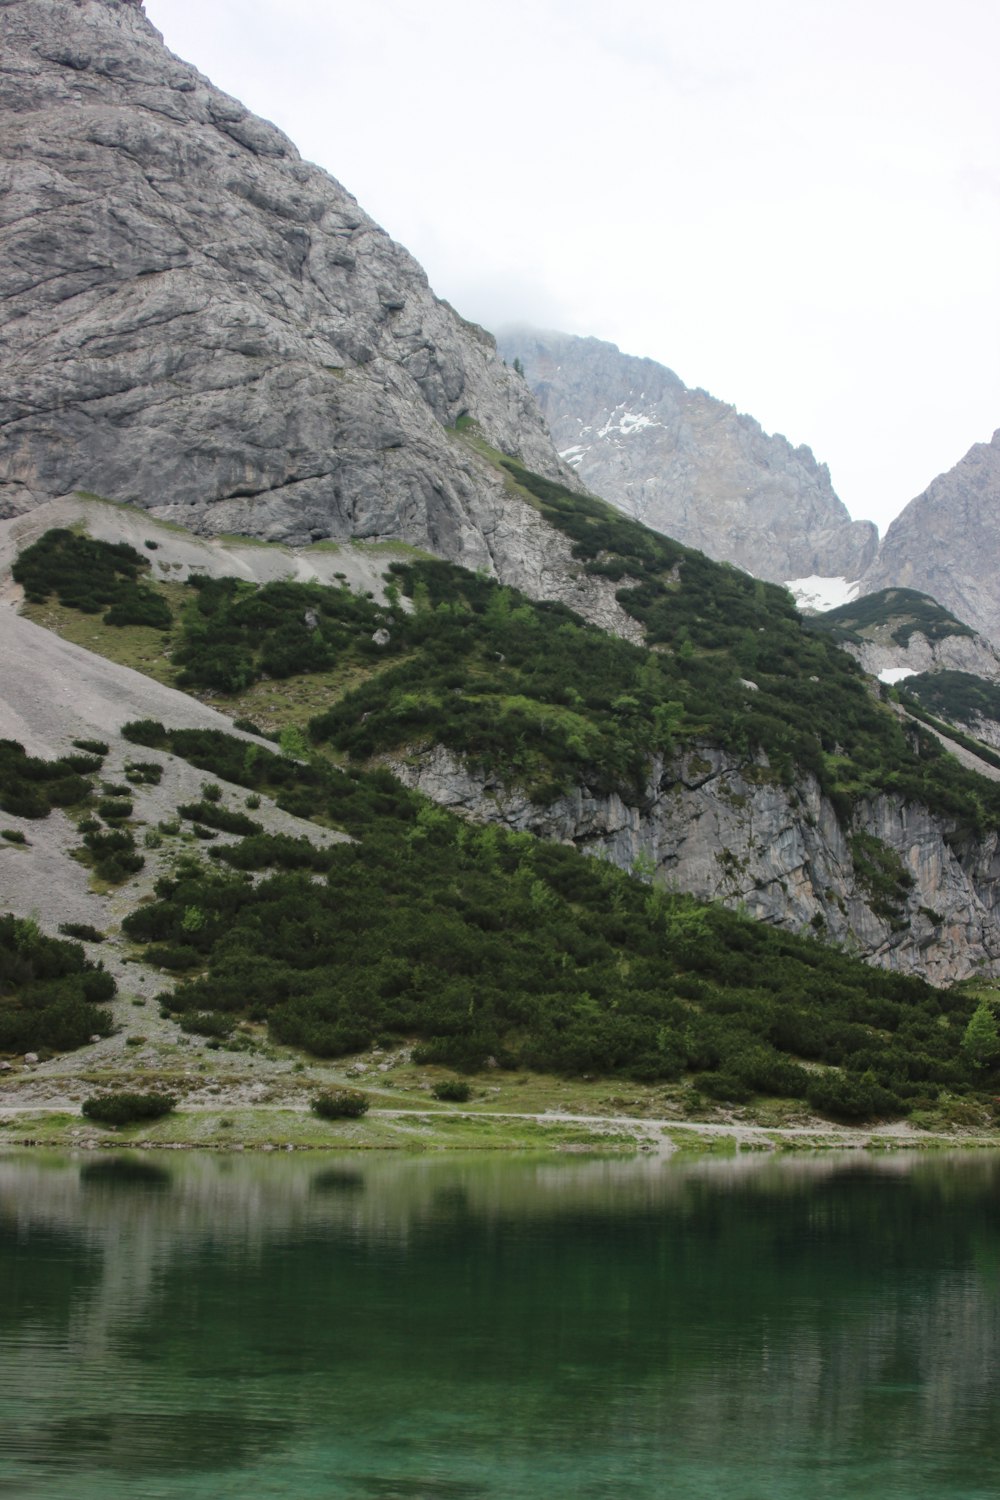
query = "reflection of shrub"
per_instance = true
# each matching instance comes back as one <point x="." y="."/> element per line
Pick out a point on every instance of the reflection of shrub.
<point x="340" y="1104"/>
<point x="454" y="1090"/>
<point x="126" y="1109"/>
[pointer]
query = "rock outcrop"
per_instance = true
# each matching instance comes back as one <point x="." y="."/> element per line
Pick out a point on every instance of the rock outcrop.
<point x="194" y="320"/>
<point x="954" y="653"/>
<point x="717" y="828"/>
<point x="947" y="541"/>
<point x="687" y="464"/>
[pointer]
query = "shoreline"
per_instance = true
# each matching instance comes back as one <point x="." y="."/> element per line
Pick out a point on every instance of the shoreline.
<point x="417" y="1130"/>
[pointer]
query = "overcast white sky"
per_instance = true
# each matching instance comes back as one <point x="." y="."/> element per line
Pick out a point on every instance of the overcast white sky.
<point x="793" y="203"/>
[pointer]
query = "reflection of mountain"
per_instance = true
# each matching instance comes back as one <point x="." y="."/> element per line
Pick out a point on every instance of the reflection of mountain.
<point x="505" y="1313"/>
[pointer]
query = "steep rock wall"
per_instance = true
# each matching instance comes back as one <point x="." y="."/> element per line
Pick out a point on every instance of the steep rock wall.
<point x="947" y="540"/>
<point x="194" y="320"/>
<point x="721" y="830"/>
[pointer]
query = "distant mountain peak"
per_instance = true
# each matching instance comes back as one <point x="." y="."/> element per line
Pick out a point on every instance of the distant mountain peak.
<point x="688" y="464"/>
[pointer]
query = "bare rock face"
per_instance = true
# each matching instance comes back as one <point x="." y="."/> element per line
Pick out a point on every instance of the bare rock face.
<point x="689" y="465"/>
<point x="947" y="541"/>
<point x="194" y="320"/>
<point x="716" y="828"/>
<point x="953" y="653"/>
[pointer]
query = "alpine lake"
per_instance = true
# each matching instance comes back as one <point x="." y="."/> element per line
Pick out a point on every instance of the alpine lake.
<point x="500" y="1326"/>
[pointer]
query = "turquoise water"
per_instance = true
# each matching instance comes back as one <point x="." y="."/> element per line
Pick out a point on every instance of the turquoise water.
<point x="372" y="1328"/>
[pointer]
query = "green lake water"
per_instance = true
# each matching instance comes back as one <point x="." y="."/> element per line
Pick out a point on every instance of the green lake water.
<point x="499" y="1328"/>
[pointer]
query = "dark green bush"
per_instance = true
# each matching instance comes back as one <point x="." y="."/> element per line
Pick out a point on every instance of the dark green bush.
<point x="453" y="1090"/>
<point x="174" y="956"/>
<point x="340" y="1104"/>
<point x="49" y="991"/>
<point x="82" y="931"/>
<point x="94" y="747"/>
<point x="212" y="815"/>
<point x="122" y="1108"/>
<point x="30" y="787"/>
<point x="88" y="575"/>
<point x="13" y="836"/>
<point x="143" y="772"/>
<point x="114" y="809"/>
<point x="148" y="732"/>
<point x="206" y="1023"/>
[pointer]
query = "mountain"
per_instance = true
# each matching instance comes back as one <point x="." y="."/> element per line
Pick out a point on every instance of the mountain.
<point x="947" y="541"/>
<point x="197" y="322"/>
<point x="687" y="464"/>
<point x="896" y="633"/>
<point x="445" y="648"/>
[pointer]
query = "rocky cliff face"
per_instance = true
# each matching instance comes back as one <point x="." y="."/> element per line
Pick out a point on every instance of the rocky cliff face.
<point x="947" y="541"/>
<point x="687" y="464"/>
<point x="954" y="653"/>
<point x="194" y="320"/>
<point x="714" y="827"/>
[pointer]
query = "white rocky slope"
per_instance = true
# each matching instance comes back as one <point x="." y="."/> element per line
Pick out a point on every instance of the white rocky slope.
<point x="687" y="464"/>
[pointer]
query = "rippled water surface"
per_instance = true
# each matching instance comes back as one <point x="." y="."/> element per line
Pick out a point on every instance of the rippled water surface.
<point x="372" y="1328"/>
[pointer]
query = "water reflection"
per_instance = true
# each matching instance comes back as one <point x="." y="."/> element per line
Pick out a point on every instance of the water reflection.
<point x="500" y="1326"/>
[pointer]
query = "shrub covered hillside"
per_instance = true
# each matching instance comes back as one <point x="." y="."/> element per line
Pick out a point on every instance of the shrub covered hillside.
<point x="484" y="945"/>
<point x="531" y="693"/>
<point x="904" y="612"/>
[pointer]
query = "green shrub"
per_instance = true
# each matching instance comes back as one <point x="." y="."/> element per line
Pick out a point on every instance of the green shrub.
<point x="211" y="815"/>
<point x="143" y="772"/>
<point x="49" y="991"/>
<point x="148" y="732"/>
<point x="122" y="1108"/>
<point x="340" y="1104"/>
<point x="206" y="1023"/>
<point x="174" y="956"/>
<point x="13" y="836"/>
<point x="82" y="931"/>
<point x="94" y="747"/>
<point x="114" y="809"/>
<point x="88" y="575"/>
<point x="453" y="1090"/>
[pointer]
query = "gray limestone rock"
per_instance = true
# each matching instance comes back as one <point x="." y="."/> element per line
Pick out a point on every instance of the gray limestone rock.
<point x="713" y="826"/>
<point x="947" y="541"/>
<point x="194" y="320"/>
<point x="953" y="653"/>
<point x="687" y="464"/>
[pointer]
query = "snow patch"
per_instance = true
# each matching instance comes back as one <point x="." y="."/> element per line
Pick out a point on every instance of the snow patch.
<point x="892" y="675"/>
<point x="819" y="594"/>
<point x="626" y="422"/>
<point x="574" y="456"/>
